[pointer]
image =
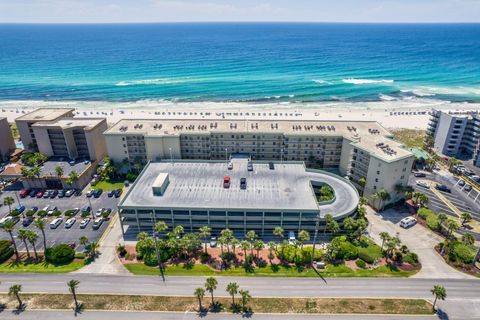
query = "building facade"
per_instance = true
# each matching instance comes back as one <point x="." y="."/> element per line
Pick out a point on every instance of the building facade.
<point x="362" y="150"/>
<point x="25" y="123"/>
<point x="7" y="144"/>
<point x="456" y="135"/>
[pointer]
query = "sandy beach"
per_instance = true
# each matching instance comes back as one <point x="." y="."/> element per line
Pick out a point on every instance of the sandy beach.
<point x="392" y="114"/>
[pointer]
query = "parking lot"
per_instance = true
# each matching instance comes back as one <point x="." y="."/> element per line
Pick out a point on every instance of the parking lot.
<point x="463" y="200"/>
<point x="60" y="234"/>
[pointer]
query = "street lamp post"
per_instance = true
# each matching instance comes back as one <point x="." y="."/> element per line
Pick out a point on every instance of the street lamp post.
<point x="91" y="207"/>
<point x="18" y="199"/>
<point x="281" y="157"/>
<point x="226" y="154"/>
<point x="157" y="252"/>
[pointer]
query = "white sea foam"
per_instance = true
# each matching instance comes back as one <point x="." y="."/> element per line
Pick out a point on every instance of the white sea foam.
<point x="366" y="81"/>
<point x="149" y="82"/>
<point x="385" y="97"/>
<point x="320" y="81"/>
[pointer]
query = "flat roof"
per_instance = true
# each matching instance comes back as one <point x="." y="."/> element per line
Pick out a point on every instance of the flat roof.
<point x="366" y="134"/>
<point x="46" y="114"/>
<point x="48" y="167"/>
<point x="86" y="123"/>
<point x="199" y="185"/>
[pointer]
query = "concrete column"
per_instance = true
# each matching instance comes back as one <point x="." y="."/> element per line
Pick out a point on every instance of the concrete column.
<point x="138" y="221"/>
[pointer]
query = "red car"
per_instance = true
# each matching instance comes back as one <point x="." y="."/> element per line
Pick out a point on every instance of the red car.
<point x="24" y="193"/>
<point x="40" y="194"/>
<point x="226" y="182"/>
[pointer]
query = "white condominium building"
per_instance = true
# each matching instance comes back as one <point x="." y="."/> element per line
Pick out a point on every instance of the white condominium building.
<point x="359" y="149"/>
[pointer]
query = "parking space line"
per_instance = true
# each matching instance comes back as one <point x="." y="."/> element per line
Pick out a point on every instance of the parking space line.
<point x="447" y="202"/>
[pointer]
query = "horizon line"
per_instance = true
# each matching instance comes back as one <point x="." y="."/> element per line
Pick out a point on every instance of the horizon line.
<point x="235" y="22"/>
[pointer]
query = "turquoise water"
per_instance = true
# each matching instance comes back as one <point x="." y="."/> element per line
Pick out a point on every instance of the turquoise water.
<point x="240" y="62"/>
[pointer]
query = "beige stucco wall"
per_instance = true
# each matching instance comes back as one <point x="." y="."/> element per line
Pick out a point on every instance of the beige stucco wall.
<point x="7" y="144"/>
<point x="43" y="141"/>
<point x="97" y="146"/>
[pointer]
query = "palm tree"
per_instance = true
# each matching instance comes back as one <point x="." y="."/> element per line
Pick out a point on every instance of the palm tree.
<point x="59" y="171"/>
<point x="205" y="232"/>
<point x="258" y="245"/>
<point x="468" y="239"/>
<point x="383" y="195"/>
<point x="362" y="182"/>
<point x="245" y="245"/>
<point x="245" y="297"/>
<point x="442" y="217"/>
<point x="234" y="243"/>
<point x="349" y="224"/>
<point x="384" y="236"/>
<point x="199" y="294"/>
<point x="362" y="201"/>
<point x="83" y="241"/>
<point x="452" y="226"/>
<point x="279" y="232"/>
<point x="93" y="250"/>
<point x="72" y="287"/>
<point x="466" y="217"/>
<point x="8" y="201"/>
<point x="328" y="222"/>
<point x="334" y="227"/>
<point x="210" y="285"/>
<point x="232" y="289"/>
<point x="303" y="236"/>
<point x="251" y="236"/>
<point x="271" y="246"/>
<point x="439" y="292"/>
<point x="72" y="177"/>
<point x="423" y="200"/>
<point x="227" y="234"/>
<point x="15" y="290"/>
<point x="8" y="227"/>
<point x="23" y="236"/>
<point x="40" y="224"/>
<point x="32" y="237"/>
<point x="391" y="245"/>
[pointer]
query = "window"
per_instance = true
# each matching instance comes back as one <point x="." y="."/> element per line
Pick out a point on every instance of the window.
<point x="374" y="187"/>
<point x="376" y="179"/>
<point x="378" y="172"/>
<point x="402" y="177"/>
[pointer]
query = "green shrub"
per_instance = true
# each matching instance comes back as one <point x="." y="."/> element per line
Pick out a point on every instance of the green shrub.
<point x="131" y="176"/>
<point x="57" y="213"/>
<point x="60" y="254"/>
<point x="15" y="213"/>
<point x="30" y="213"/>
<point x="432" y="222"/>
<point x="42" y="213"/>
<point x="80" y="255"/>
<point x="411" y="257"/>
<point x="85" y="214"/>
<point x="365" y="256"/>
<point x="398" y="256"/>
<point x="361" y="264"/>
<point x="122" y="251"/>
<point x="69" y="213"/>
<point x="150" y="260"/>
<point x="6" y="250"/>
<point x="204" y="257"/>
<point x="348" y="251"/>
<point x="460" y="252"/>
<point x="424" y="213"/>
<point x="287" y="253"/>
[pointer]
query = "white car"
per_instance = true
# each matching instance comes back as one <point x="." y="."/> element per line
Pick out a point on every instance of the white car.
<point x="55" y="223"/>
<point x="408" y="222"/>
<point x="99" y="213"/>
<point x="230" y="165"/>
<point x="51" y="211"/>
<point x="69" y="223"/>
<point x="422" y="184"/>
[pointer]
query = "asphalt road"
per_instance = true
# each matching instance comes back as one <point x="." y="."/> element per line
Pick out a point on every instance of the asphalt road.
<point x="122" y="315"/>
<point x="463" y="301"/>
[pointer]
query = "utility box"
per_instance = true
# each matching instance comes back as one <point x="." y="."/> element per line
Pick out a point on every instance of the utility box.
<point x="160" y="184"/>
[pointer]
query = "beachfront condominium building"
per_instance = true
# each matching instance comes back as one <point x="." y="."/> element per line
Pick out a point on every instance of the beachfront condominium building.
<point x="25" y="122"/>
<point x="57" y="134"/>
<point x="7" y="144"/>
<point x="361" y="150"/>
<point x="456" y="134"/>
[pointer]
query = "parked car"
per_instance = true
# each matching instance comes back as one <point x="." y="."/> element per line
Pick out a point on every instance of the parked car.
<point x="69" y="223"/>
<point x="467" y="187"/>
<point x="5" y="219"/>
<point x="422" y="184"/>
<point x="33" y="193"/>
<point x="24" y="193"/>
<point x="51" y="211"/>
<point x="271" y="166"/>
<point x="243" y="183"/>
<point x="111" y="193"/>
<point x="47" y="208"/>
<point x="118" y="193"/>
<point x="84" y="223"/>
<point x="419" y="174"/>
<point x="20" y="208"/>
<point x="90" y="193"/>
<point x="33" y="209"/>
<point x="53" y="194"/>
<point x="99" y="212"/>
<point x="27" y="221"/>
<point x="443" y="188"/>
<point x="213" y="242"/>
<point x="407" y="222"/>
<point x="40" y="194"/>
<point x="55" y="223"/>
<point x="69" y="193"/>
<point x="107" y="210"/>
<point x="61" y="193"/>
<point x="97" y="193"/>
<point x="250" y="166"/>
<point x="461" y="182"/>
<point x="226" y="182"/>
<point x="97" y="223"/>
<point x="86" y="209"/>
<point x="291" y="237"/>
<point x="46" y="195"/>
<point x="230" y="165"/>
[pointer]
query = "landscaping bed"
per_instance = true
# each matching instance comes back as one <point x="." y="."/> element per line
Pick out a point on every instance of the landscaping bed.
<point x="190" y="304"/>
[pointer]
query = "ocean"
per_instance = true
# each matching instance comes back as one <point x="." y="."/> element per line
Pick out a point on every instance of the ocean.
<point x="243" y="62"/>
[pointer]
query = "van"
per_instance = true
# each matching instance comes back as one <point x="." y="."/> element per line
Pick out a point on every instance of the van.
<point x="55" y="223"/>
<point x="408" y="222"/>
<point x="291" y="237"/>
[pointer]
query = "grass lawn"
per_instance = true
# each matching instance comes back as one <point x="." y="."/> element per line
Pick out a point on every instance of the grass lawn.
<point x="330" y="271"/>
<point x="190" y="304"/>
<point x="107" y="186"/>
<point x="41" y="267"/>
<point x="409" y="137"/>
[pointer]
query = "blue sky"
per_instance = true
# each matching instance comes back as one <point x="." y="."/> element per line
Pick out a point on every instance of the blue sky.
<point x="94" y="11"/>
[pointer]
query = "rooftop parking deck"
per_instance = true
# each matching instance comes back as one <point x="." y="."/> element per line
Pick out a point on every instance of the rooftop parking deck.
<point x="200" y="185"/>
